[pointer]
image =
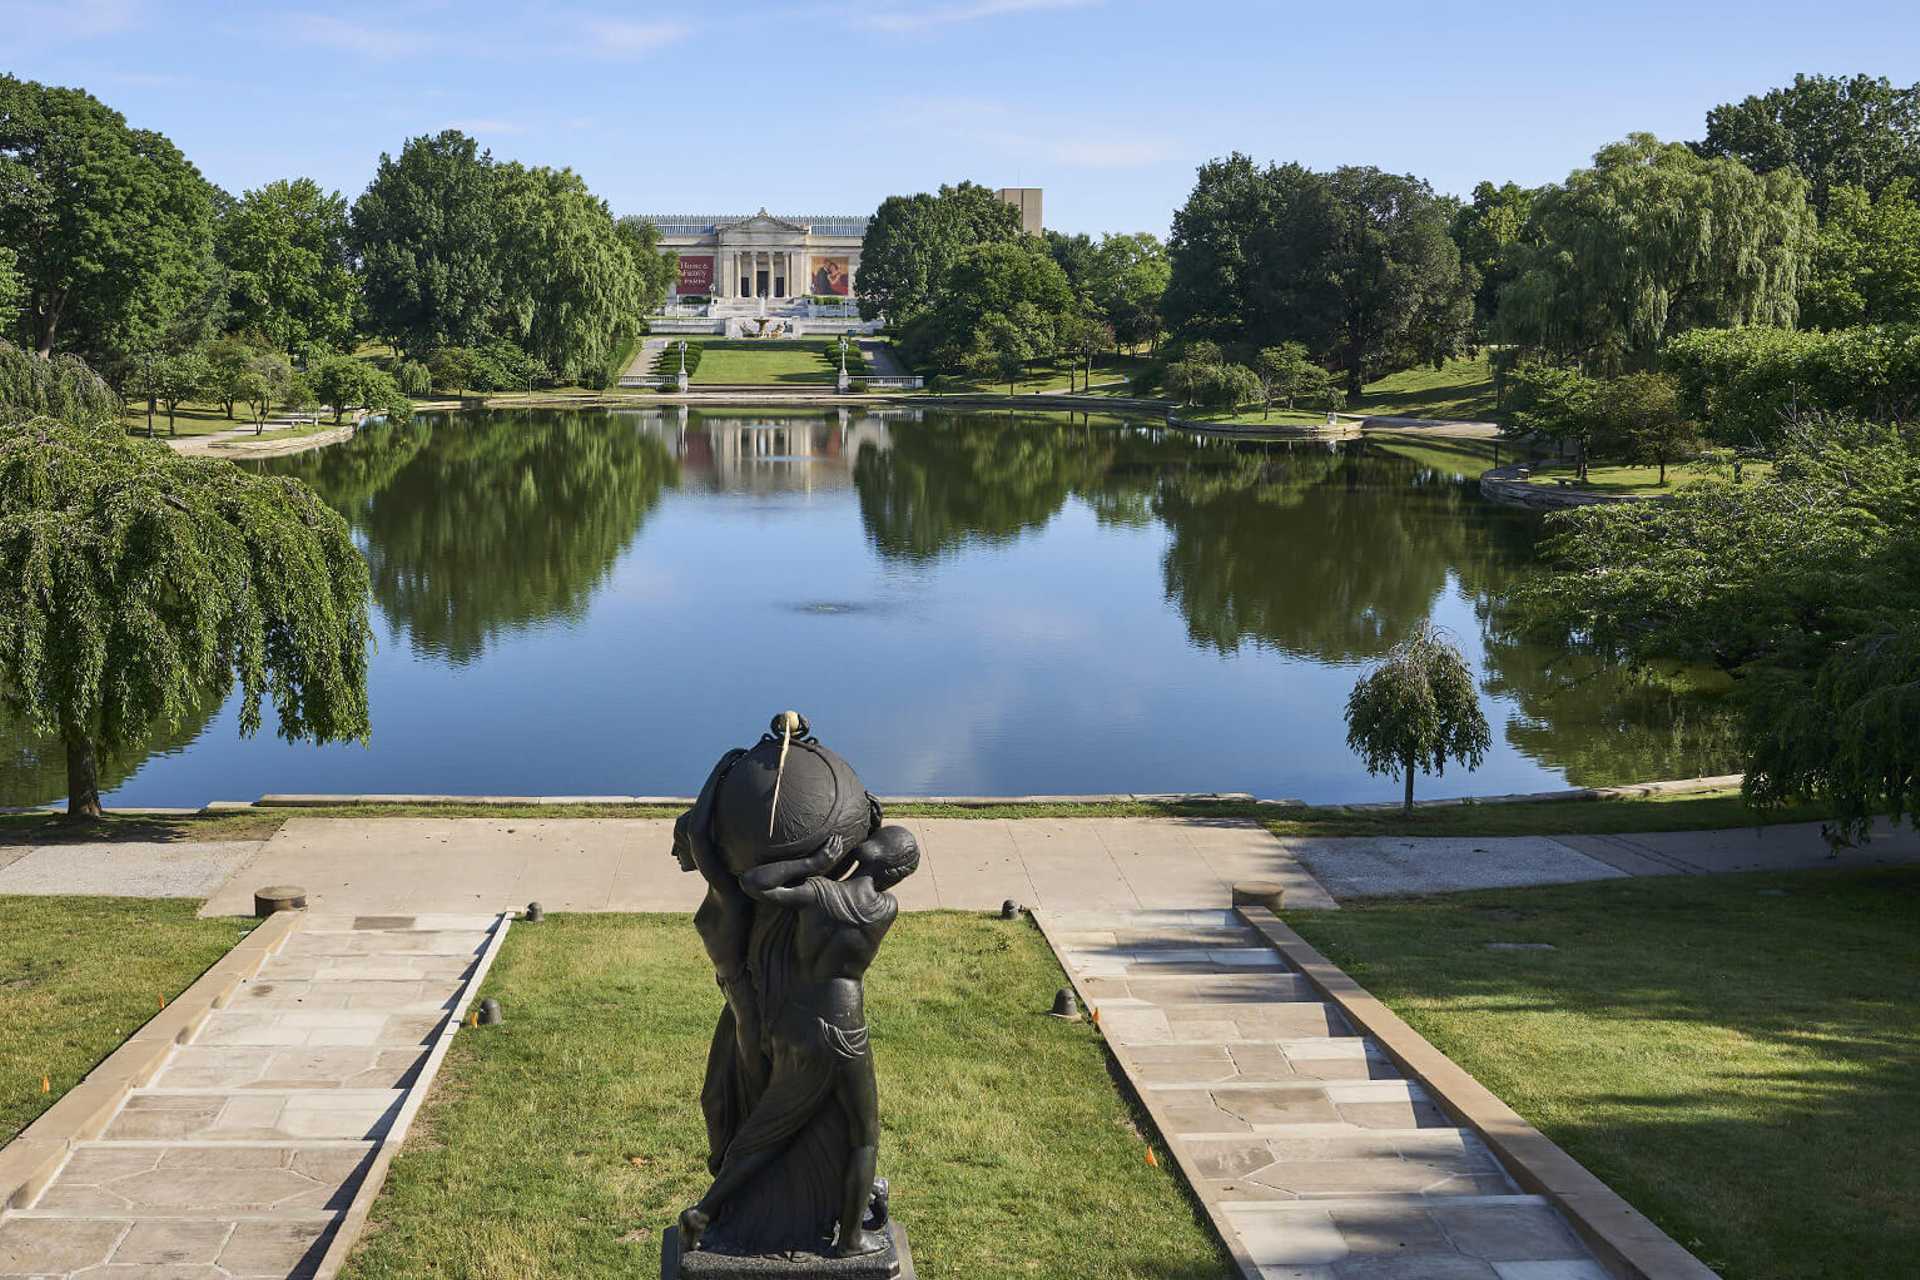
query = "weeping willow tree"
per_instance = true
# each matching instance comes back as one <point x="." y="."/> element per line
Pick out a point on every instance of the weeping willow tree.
<point x="137" y="585"/>
<point x="1651" y="241"/>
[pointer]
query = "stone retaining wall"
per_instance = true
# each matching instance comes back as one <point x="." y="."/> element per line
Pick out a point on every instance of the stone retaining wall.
<point x="1503" y="484"/>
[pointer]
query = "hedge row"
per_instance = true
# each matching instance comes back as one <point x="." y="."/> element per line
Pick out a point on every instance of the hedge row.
<point x="1745" y="383"/>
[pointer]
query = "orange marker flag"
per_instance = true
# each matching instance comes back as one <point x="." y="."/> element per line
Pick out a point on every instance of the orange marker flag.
<point x="473" y="1019"/>
<point x="159" y="1002"/>
<point x="1152" y="1159"/>
<point x="1096" y="1017"/>
<point x="46" y="1085"/>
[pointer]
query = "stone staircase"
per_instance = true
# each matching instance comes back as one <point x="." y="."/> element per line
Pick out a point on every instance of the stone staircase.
<point x="248" y="1148"/>
<point x="1314" y="1157"/>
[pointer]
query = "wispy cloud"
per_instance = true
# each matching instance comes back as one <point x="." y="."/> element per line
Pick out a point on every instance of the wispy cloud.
<point x="368" y="40"/>
<point x="623" y="38"/>
<point x="918" y="17"/>
<point x="1058" y="139"/>
<point x="44" y="23"/>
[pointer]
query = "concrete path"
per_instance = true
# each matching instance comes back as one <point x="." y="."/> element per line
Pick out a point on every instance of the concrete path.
<point x="252" y="1143"/>
<point x="362" y="865"/>
<point x="1313" y="1157"/>
<point x="1373" y="866"/>
<point x="882" y="360"/>
<point x="135" y="869"/>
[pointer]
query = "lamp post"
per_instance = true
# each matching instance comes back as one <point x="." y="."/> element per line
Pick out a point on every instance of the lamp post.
<point x="681" y="381"/>
<point x="843" y="362"/>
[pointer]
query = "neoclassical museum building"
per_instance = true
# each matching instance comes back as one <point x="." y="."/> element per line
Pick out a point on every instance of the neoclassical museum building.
<point x="763" y="256"/>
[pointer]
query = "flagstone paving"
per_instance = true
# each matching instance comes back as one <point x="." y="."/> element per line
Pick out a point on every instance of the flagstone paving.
<point x="1314" y="1157"/>
<point x="242" y="1154"/>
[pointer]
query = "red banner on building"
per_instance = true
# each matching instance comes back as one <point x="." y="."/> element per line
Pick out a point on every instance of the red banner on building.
<point x="696" y="274"/>
<point x="832" y="276"/>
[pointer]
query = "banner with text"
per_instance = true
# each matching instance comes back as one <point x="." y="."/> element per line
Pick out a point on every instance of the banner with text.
<point x="696" y="274"/>
<point x="832" y="276"/>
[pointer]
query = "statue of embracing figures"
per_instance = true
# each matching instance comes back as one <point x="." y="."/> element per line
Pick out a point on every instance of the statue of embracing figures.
<point x="799" y="871"/>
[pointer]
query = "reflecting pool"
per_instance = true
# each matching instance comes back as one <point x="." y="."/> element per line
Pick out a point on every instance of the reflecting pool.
<point x="601" y="601"/>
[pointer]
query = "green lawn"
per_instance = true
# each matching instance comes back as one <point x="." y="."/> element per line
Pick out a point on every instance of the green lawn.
<point x="1111" y="373"/>
<point x="1738" y="1056"/>
<point x="79" y="975"/>
<point x="562" y="1142"/>
<point x="769" y="362"/>
<point x="1458" y="389"/>
<point x="191" y="420"/>
<point x="1698" y="811"/>
<point x="1627" y="478"/>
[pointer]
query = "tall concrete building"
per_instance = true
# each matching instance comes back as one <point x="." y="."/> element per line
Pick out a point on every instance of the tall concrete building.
<point x="1027" y="201"/>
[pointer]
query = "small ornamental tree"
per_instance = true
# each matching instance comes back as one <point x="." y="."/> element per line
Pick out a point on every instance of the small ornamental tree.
<point x="180" y="377"/>
<point x="1417" y="710"/>
<point x="141" y="584"/>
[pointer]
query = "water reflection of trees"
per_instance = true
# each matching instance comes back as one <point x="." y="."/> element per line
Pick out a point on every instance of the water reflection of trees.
<point x="507" y="521"/>
<point x="33" y="765"/>
<point x="1327" y="555"/>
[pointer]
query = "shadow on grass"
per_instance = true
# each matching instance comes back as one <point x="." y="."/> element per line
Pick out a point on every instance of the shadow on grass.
<point x="1738" y="1056"/>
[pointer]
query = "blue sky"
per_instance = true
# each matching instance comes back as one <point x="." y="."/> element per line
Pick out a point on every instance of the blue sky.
<point x="826" y="108"/>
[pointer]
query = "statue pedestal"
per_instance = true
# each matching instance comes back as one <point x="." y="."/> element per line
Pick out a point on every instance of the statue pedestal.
<point x="895" y="1262"/>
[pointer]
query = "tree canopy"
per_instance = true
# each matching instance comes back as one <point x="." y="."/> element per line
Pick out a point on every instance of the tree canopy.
<point x="142" y="584"/>
<point x="111" y="226"/>
<point x="1357" y="265"/>
<point x="913" y="241"/>
<point x="1486" y="228"/>
<point x="1857" y="131"/>
<point x="1651" y="241"/>
<point x="1417" y="710"/>
<point x="1866" y="262"/>
<point x="1804" y="585"/>
<point x="573" y="291"/>
<point x="1000" y="299"/>
<point x="290" y="276"/>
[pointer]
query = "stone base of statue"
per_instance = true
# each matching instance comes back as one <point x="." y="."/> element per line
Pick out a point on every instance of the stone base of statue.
<point x="895" y="1262"/>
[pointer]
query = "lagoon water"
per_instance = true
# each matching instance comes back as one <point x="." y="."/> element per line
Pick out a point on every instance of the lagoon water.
<point x="600" y="602"/>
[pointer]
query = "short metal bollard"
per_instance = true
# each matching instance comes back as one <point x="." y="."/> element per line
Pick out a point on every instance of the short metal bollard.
<point x="1009" y="910"/>
<point x="489" y="1012"/>
<point x="1065" y="1007"/>
<point x="534" y="913"/>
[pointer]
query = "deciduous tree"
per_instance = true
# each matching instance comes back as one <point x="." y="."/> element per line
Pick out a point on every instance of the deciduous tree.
<point x="913" y="241"/>
<point x="1855" y="131"/>
<point x="1417" y="710"/>
<point x="143" y="585"/>
<point x="1866" y="262"/>
<point x="285" y="248"/>
<point x="1651" y="241"/>
<point x="112" y="227"/>
<point x="179" y="377"/>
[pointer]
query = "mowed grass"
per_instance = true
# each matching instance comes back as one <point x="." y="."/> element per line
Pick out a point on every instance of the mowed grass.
<point x="79" y="975"/>
<point x="772" y="362"/>
<point x="1458" y="389"/>
<point x="562" y="1142"/>
<point x="1693" y="811"/>
<point x="1111" y="372"/>
<point x="1738" y="1056"/>
<point x="1628" y="478"/>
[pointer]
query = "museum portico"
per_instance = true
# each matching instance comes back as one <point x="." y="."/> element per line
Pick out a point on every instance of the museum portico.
<point x="763" y="256"/>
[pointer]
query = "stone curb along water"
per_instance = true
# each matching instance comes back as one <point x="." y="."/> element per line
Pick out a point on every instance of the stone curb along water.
<point x="1625" y="1240"/>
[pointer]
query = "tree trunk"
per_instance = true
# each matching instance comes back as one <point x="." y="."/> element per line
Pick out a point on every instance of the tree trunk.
<point x="50" y="324"/>
<point x="1409" y="806"/>
<point x="83" y="780"/>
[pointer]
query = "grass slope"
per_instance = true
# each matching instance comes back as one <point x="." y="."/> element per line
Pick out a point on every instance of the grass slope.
<point x="562" y="1142"/>
<point x="770" y="362"/>
<point x="1458" y="389"/>
<point x="79" y="975"/>
<point x="1738" y="1056"/>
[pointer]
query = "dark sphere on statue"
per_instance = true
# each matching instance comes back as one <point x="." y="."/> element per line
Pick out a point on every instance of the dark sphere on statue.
<point x="819" y="795"/>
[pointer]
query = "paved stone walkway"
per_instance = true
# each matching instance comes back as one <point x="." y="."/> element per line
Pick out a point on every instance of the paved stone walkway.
<point x="130" y="869"/>
<point x="243" y="1154"/>
<point x="1315" y="1160"/>
<point x="364" y="865"/>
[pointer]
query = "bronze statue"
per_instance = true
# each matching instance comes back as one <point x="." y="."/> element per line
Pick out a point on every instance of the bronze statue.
<point x="798" y="870"/>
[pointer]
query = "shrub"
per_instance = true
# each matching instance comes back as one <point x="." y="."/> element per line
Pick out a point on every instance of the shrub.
<point x="1746" y="384"/>
<point x="413" y="378"/>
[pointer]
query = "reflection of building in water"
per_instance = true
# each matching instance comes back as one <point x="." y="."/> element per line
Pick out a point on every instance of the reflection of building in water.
<point x="759" y="451"/>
